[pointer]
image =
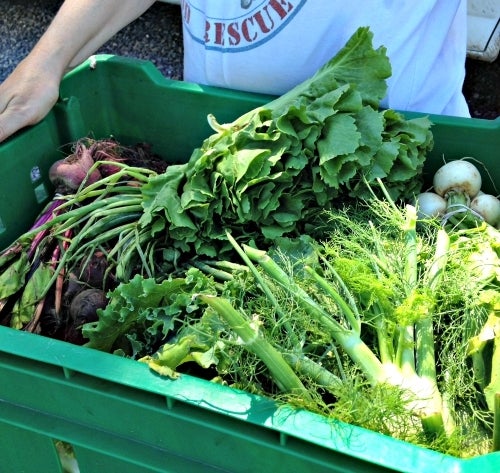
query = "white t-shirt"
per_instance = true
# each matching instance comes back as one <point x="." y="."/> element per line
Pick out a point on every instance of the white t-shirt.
<point x="269" y="46"/>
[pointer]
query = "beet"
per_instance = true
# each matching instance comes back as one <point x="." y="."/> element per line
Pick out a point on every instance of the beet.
<point x="68" y="174"/>
<point x="84" y="306"/>
<point x="92" y="272"/>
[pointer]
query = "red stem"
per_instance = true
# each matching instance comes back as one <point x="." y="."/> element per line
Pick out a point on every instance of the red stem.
<point x="60" y="277"/>
<point x="51" y="211"/>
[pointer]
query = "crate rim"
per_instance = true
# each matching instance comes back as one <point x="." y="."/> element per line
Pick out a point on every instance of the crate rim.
<point x="314" y="428"/>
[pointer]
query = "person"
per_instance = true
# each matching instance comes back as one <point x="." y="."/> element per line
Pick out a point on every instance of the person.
<point x="264" y="46"/>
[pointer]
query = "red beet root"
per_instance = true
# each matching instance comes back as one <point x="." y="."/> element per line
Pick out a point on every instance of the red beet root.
<point x="69" y="173"/>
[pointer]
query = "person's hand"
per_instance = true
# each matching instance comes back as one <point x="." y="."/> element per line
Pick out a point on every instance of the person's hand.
<point x="26" y="96"/>
<point x="76" y="32"/>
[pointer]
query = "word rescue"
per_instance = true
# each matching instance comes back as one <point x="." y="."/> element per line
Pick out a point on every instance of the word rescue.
<point x="254" y="23"/>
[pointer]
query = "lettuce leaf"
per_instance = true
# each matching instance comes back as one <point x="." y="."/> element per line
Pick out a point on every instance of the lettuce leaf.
<point x="277" y="166"/>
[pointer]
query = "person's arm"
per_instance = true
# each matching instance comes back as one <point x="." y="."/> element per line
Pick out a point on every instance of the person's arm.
<point x="76" y="32"/>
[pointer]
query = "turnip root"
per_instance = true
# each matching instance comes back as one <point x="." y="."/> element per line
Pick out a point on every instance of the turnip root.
<point x="459" y="183"/>
<point x="488" y="206"/>
<point x="430" y="205"/>
<point x="458" y="176"/>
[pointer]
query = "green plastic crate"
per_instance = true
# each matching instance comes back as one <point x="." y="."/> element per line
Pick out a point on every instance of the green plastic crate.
<point x="116" y="413"/>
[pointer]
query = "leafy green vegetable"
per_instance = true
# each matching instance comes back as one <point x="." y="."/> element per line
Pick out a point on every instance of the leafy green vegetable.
<point x="378" y="323"/>
<point x="255" y="342"/>
<point x="482" y="263"/>
<point x="34" y="289"/>
<point x="383" y="309"/>
<point x="12" y="278"/>
<point x="487" y="358"/>
<point x="278" y="165"/>
<point x="139" y="308"/>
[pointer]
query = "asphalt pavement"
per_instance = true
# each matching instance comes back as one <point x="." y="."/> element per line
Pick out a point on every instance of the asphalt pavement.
<point x="157" y="36"/>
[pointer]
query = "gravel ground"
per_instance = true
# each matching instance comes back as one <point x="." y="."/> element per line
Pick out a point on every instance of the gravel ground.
<point x="157" y="36"/>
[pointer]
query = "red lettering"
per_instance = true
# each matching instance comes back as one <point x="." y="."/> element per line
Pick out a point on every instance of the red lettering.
<point x="246" y="31"/>
<point x="220" y="28"/>
<point x="207" y="29"/>
<point x="261" y="22"/>
<point x="234" y="34"/>
<point x="186" y="11"/>
<point x="277" y="6"/>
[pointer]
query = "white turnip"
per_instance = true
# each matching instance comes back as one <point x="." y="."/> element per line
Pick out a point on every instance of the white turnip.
<point x="488" y="206"/>
<point x="430" y="205"/>
<point x="460" y="177"/>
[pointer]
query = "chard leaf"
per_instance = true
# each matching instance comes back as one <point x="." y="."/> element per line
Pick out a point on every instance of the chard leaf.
<point x="12" y="278"/>
<point x="33" y="292"/>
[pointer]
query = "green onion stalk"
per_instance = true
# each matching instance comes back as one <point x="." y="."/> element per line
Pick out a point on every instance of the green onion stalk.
<point x="99" y="217"/>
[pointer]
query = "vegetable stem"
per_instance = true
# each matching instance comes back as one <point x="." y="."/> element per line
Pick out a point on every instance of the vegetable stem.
<point x="260" y="280"/>
<point x="406" y="355"/>
<point x="496" y="424"/>
<point x="425" y="353"/>
<point x="344" y="307"/>
<point x="254" y="342"/>
<point x="350" y="341"/>
<point x="385" y="346"/>
<point x="314" y="371"/>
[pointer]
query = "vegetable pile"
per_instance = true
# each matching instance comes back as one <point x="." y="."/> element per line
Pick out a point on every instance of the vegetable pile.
<point x="53" y="278"/>
<point x="283" y="258"/>
<point x="457" y="196"/>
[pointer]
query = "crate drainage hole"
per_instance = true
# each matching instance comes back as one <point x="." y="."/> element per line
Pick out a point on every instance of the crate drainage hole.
<point x="67" y="457"/>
